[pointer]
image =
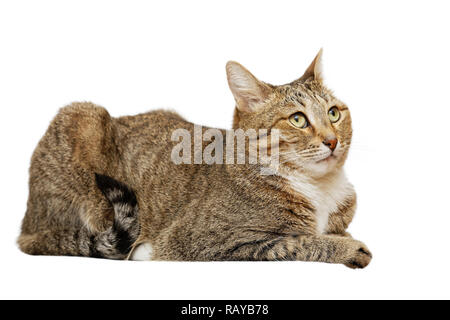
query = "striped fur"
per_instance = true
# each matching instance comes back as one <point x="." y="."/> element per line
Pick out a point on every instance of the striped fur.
<point x="322" y="248"/>
<point x="116" y="242"/>
<point x="113" y="243"/>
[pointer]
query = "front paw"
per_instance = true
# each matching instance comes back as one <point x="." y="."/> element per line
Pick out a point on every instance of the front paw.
<point x="359" y="256"/>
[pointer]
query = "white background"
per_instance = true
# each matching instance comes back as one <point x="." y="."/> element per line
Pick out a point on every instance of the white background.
<point x="388" y="60"/>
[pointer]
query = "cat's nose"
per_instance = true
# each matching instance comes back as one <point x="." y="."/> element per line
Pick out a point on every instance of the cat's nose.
<point x="330" y="142"/>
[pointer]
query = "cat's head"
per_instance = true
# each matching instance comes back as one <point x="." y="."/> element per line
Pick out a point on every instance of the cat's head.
<point x="315" y="127"/>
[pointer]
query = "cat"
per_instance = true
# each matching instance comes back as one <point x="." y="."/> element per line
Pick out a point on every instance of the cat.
<point x="198" y="212"/>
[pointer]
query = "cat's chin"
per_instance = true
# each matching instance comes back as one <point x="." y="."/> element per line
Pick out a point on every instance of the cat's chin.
<point x="322" y="167"/>
<point x="329" y="160"/>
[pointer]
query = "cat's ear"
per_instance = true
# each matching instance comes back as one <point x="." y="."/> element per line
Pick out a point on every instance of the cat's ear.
<point x="247" y="90"/>
<point x="314" y="70"/>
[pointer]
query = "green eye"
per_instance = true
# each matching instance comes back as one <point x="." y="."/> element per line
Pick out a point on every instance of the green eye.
<point x="298" y="120"/>
<point x="334" y="114"/>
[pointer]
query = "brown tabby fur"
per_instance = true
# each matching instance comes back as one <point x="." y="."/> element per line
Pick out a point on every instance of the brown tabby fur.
<point x="195" y="212"/>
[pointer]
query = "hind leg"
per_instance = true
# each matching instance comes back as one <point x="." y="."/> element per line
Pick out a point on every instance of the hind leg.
<point x="56" y="243"/>
<point x="79" y="142"/>
<point x="90" y="134"/>
<point x="113" y="243"/>
<point x="63" y="192"/>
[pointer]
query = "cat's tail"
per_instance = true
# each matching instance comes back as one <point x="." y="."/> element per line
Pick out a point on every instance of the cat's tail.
<point x="113" y="243"/>
<point x="117" y="241"/>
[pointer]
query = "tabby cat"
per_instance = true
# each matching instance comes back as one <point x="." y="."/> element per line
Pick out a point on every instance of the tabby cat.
<point x="197" y="212"/>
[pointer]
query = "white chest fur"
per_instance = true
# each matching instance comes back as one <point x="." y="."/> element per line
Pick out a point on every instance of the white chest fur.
<point x="325" y="196"/>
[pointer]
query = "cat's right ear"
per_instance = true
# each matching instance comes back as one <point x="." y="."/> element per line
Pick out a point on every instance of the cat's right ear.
<point x="314" y="70"/>
<point x="248" y="91"/>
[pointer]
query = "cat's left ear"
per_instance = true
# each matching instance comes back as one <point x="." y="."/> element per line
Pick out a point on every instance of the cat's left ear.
<point x="314" y="70"/>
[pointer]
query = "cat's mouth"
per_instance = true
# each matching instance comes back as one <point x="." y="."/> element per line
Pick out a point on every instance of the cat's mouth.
<point x="330" y="158"/>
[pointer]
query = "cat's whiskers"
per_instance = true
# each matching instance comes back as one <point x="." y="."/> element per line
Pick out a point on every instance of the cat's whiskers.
<point x="309" y="154"/>
<point x="317" y="156"/>
<point x="288" y="153"/>
<point x="299" y="153"/>
<point x="297" y="156"/>
<point x="291" y="159"/>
